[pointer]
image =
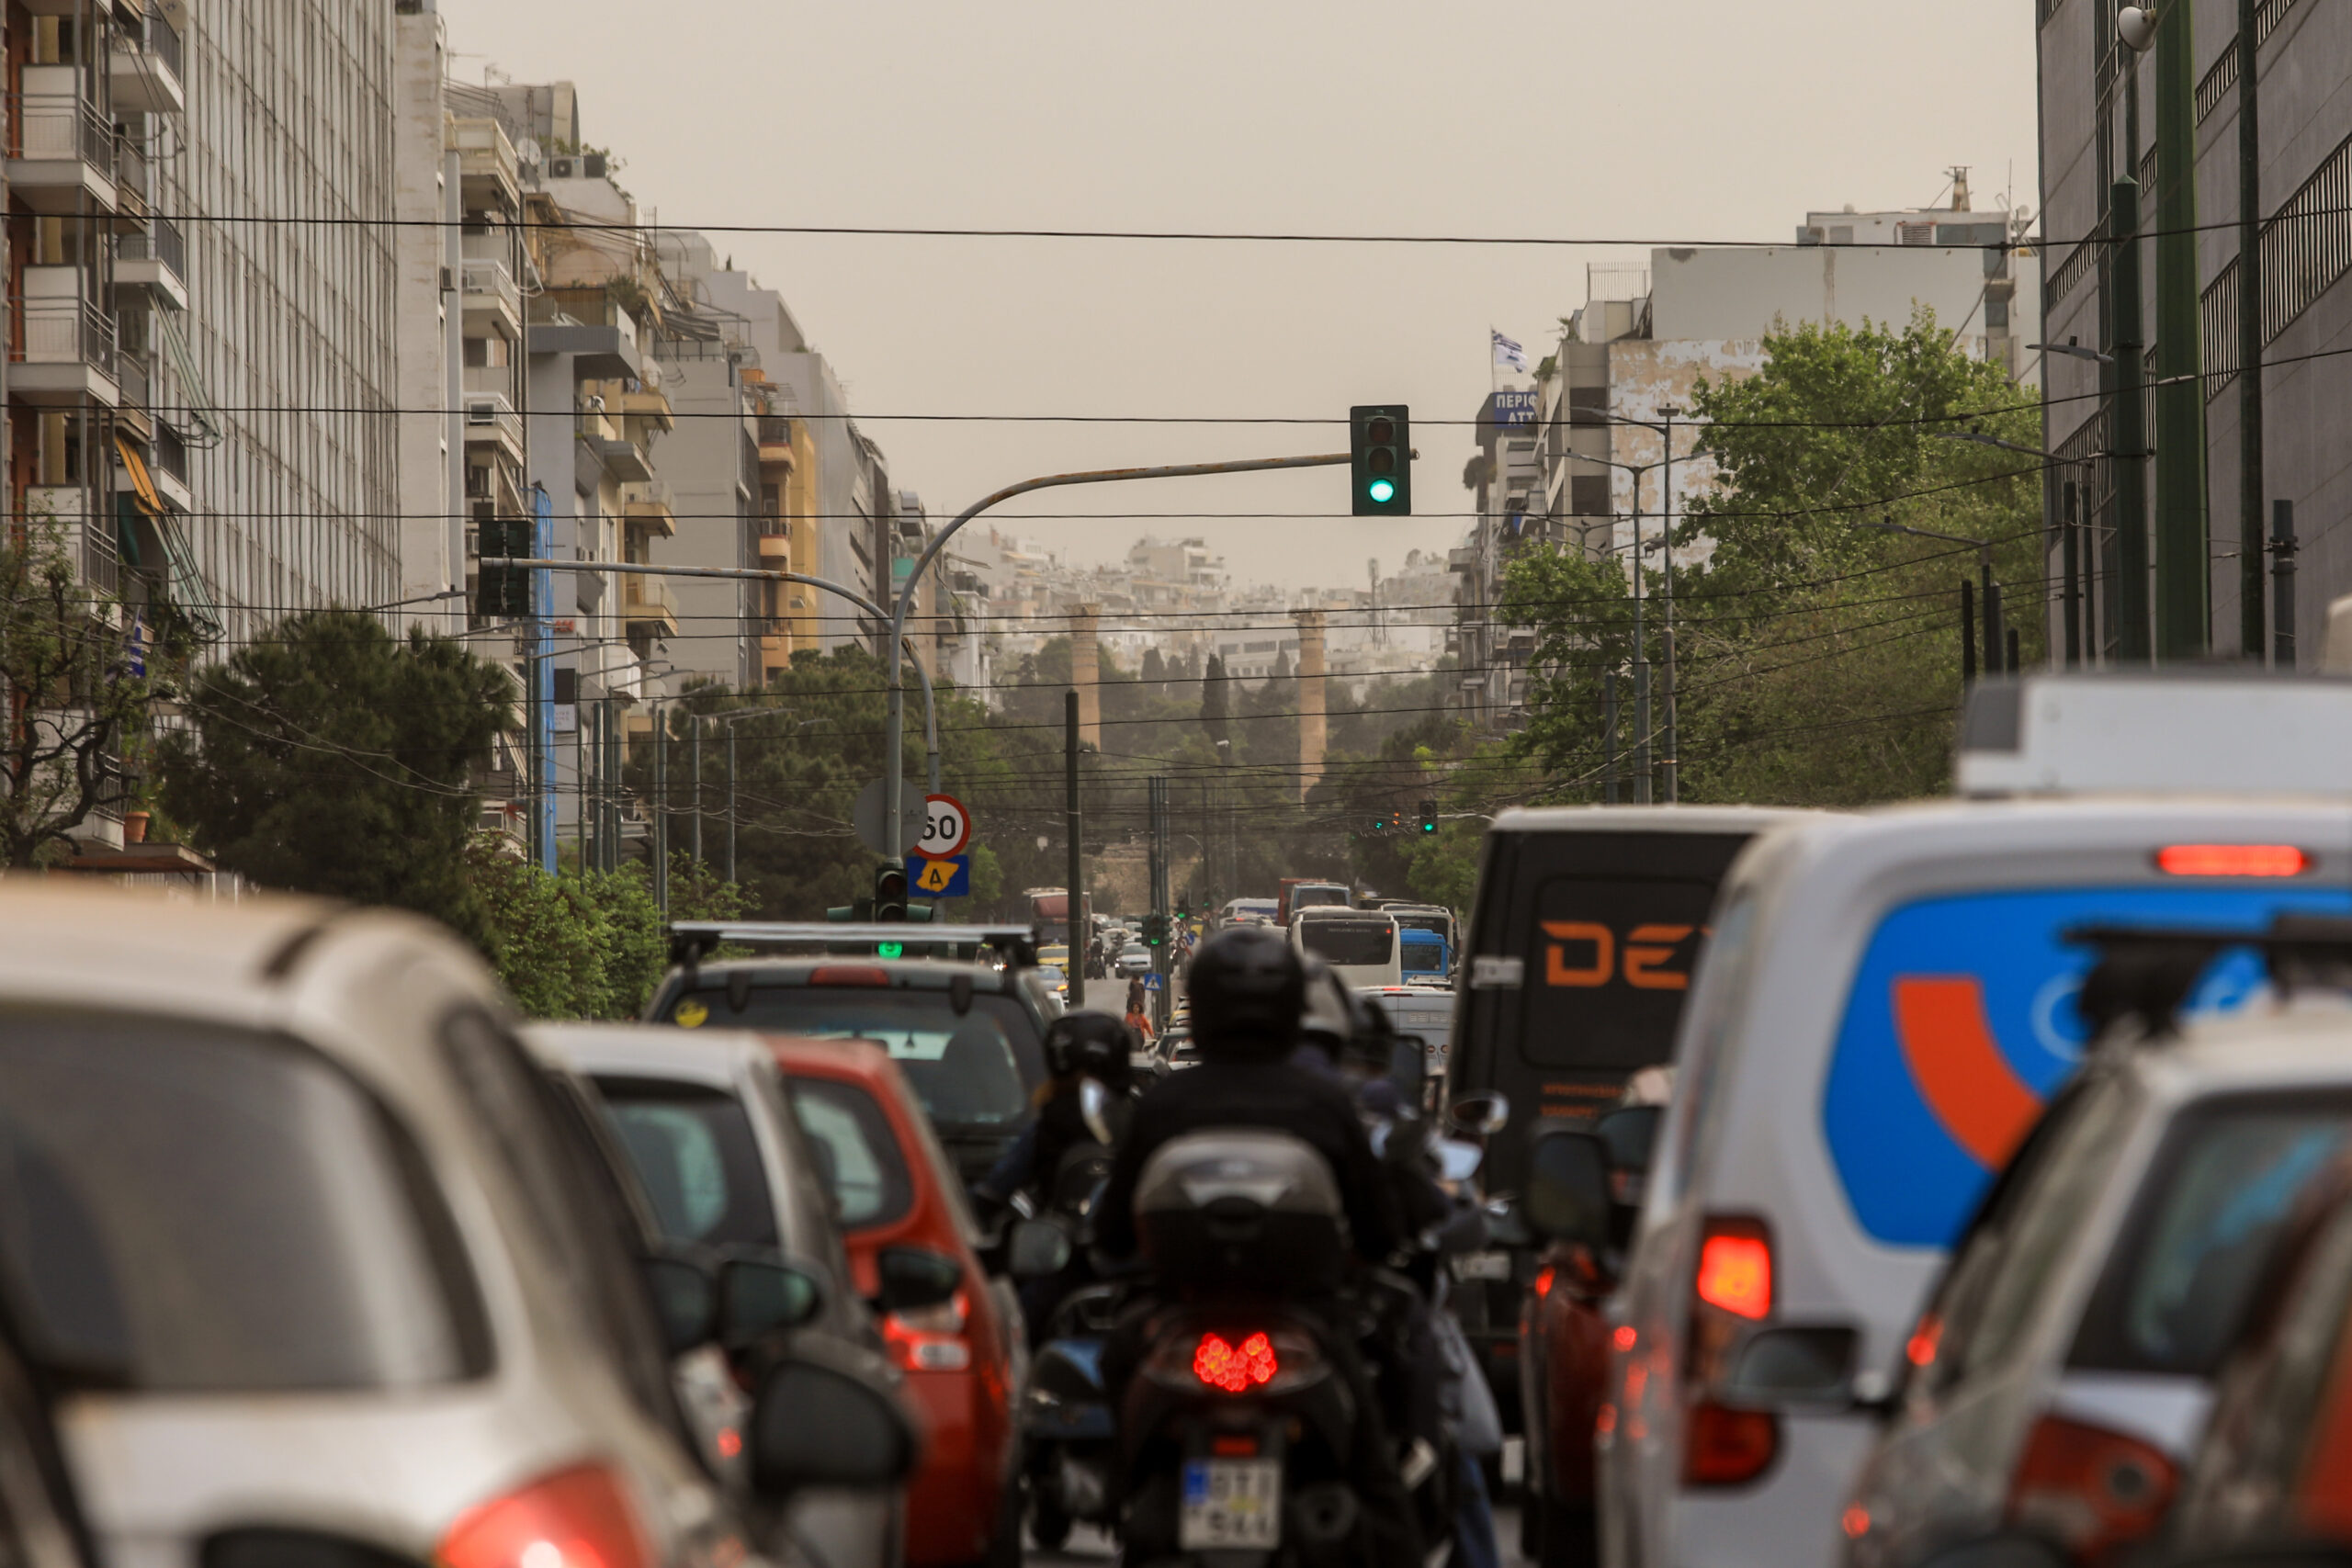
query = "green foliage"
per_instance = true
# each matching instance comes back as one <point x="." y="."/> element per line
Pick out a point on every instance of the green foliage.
<point x="65" y="656"/>
<point x="330" y="758"/>
<point x="1819" y="650"/>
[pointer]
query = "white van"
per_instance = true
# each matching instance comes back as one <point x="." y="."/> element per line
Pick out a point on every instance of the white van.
<point x="1885" y="1009"/>
<point x="1359" y="944"/>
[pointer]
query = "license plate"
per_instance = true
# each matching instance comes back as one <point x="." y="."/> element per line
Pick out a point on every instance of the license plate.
<point x="1231" y="1503"/>
<point x="1483" y="1266"/>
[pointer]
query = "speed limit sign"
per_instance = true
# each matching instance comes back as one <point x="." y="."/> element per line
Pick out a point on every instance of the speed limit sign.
<point x="946" y="827"/>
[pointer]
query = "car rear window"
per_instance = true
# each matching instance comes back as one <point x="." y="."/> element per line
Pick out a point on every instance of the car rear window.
<point x="2219" y="1197"/>
<point x="857" y="1157"/>
<point x="971" y="1072"/>
<point x="1354" y="942"/>
<point x="697" y="1158"/>
<point x="190" y="1209"/>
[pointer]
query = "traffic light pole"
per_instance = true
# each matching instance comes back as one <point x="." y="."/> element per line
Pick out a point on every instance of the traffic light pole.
<point x="894" y="739"/>
<point x="1074" y="895"/>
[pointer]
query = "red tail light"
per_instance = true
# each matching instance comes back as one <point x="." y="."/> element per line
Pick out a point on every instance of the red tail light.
<point x="579" y="1517"/>
<point x="1543" y="1278"/>
<point x="2092" y="1490"/>
<point x="930" y="1340"/>
<point x="1235" y="1369"/>
<point x="2232" y="859"/>
<point x="1722" y="1446"/>
<point x="1736" y="1269"/>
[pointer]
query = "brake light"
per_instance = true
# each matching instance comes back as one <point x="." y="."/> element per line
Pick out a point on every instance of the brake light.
<point x="930" y="1340"/>
<point x="579" y="1517"/>
<point x="1624" y="1336"/>
<point x="848" y="974"/>
<point x="1736" y="1269"/>
<point x="1235" y="1369"/>
<point x="2094" y="1491"/>
<point x="1925" y="1341"/>
<point x="1543" y="1278"/>
<point x="2232" y="859"/>
<point x="1723" y="1447"/>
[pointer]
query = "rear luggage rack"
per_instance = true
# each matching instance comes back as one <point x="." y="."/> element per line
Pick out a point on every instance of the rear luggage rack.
<point x="2148" y="972"/>
<point x="1015" y="946"/>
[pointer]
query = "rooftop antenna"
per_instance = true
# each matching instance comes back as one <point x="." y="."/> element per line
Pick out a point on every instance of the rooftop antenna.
<point x="1959" y="173"/>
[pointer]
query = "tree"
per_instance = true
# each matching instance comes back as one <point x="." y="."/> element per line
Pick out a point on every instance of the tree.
<point x="1215" y="703"/>
<point x="76" y="676"/>
<point x="330" y="758"/>
<point x="591" y="945"/>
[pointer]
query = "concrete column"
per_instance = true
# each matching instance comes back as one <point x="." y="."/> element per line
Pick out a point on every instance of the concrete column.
<point x="1086" y="673"/>
<point x="1310" y="700"/>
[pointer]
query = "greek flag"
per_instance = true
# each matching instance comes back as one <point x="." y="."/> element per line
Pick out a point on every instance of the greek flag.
<point x="1509" y="356"/>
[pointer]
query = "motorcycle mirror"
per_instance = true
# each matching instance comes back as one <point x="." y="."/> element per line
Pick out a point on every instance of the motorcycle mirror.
<point x="1037" y="1250"/>
<point x="1408" y="1067"/>
<point x="1094" y="1109"/>
<point x="1568" y="1189"/>
<point x="1479" y="1115"/>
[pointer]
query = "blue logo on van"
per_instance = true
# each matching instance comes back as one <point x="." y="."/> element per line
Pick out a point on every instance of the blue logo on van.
<point x="1962" y="1025"/>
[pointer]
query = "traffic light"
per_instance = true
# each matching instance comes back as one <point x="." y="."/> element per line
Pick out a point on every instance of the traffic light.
<point x="1380" y="461"/>
<point x="1429" y="817"/>
<point x="503" y="591"/>
<point x="1155" y="930"/>
<point x="890" y="892"/>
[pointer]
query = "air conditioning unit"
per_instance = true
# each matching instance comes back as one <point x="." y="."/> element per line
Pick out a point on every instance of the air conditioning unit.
<point x="562" y="168"/>
<point x="449" y="280"/>
<point x="482" y="414"/>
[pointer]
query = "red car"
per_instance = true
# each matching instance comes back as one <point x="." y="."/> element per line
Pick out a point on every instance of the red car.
<point x="911" y="1251"/>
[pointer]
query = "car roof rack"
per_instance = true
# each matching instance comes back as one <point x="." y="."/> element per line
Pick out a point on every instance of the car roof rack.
<point x="692" y="941"/>
<point x="2148" y="972"/>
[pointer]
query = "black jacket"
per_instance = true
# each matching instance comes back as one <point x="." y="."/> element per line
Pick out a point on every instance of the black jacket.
<point x="1274" y="1095"/>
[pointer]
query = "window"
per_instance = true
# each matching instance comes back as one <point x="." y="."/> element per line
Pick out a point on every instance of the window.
<point x="1589" y="495"/>
<point x="856" y="1155"/>
<point x="696" y="1158"/>
<point x="190" y="1209"/>
<point x="1351" y="941"/>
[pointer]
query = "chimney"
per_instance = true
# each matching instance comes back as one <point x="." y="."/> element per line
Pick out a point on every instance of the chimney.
<point x="1959" y="188"/>
<point x="1086" y="673"/>
<point x="1310" y="699"/>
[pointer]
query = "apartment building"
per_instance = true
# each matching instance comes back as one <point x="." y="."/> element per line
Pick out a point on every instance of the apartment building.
<point x="2093" y="91"/>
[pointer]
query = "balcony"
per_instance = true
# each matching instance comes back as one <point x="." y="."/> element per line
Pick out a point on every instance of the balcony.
<point x="490" y="418"/>
<point x="487" y="168"/>
<point x="643" y="410"/>
<point x="87" y="534"/>
<point x="63" y="348"/>
<point x="775" y="439"/>
<point x="647" y="602"/>
<point x="60" y="149"/>
<point x="492" y="300"/>
<point x="155" y="261"/>
<point x="146" y="67"/>
<point x="650" y="507"/>
<point x="169" y="469"/>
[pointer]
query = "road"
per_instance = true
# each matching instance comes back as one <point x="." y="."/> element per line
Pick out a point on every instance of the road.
<point x="1090" y="1549"/>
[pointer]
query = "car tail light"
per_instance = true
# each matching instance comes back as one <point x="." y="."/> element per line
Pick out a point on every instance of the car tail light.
<point x="1926" y="1340"/>
<point x="2094" y="1491"/>
<point x="2232" y="859"/>
<point x="1723" y="1447"/>
<point x="1236" y="1368"/>
<point x="1543" y="1278"/>
<point x="579" y="1517"/>
<point x="931" y="1340"/>
<point x="848" y="974"/>
<point x="1736" y="1269"/>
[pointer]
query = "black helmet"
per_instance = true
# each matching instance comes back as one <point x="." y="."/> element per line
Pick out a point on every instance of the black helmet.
<point x="1099" y="1046"/>
<point x="1246" y="988"/>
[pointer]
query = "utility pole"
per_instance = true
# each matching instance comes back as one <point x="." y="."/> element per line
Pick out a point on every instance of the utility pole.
<point x="2283" y="579"/>
<point x="1074" y="901"/>
<point x="661" y="824"/>
<point x="1672" y="765"/>
<point x="694" y="746"/>
<point x="1609" y="736"/>
<point x="2131" y="613"/>
<point x="2070" y="543"/>
<point x="2184" y="569"/>
<point x="730" y="802"/>
<point x="2250" y="435"/>
<point x="1641" y="668"/>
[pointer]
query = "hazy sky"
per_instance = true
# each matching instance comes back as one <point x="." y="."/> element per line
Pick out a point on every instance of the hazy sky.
<point x="1651" y="120"/>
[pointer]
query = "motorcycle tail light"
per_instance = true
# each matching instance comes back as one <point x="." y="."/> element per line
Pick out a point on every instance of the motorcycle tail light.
<point x="930" y="1340"/>
<point x="2094" y="1491"/>
<point x="1723" y="1447"/>
<point x="1236" y="1368"/>
<point x="579" y="1517"/>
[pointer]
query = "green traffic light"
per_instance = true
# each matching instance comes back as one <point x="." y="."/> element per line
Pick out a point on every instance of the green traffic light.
<point x="1383" y="491"/>
<point x="890" y="949"/>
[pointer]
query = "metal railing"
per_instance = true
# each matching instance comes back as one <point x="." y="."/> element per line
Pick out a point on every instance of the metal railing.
<point x="163" y="243"/>
<point x="64" y="331"/>
<point x="490" y="279"/>
<point x="646" y="598"/>
<point x="130" y="373"/>
<point x="776" y="430"/>
<point x="489" y="411"/>
<point x="170" y="451"/>
<point x="164" y="41"/>
<point x="50" y="126"/>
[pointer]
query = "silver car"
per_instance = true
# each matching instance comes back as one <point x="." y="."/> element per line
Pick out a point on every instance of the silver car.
<point x="284" y="1213"/>
<point x="2063" y="1369"/>
<point x="704" y="1120"/>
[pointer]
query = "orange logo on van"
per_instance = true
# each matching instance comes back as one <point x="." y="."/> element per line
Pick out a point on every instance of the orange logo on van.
<point x="1585" y="954"/>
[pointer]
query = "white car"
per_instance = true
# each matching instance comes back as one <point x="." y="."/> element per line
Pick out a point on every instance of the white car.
<point x="289" y="1216"/>
<point x="1884" y="1010"/>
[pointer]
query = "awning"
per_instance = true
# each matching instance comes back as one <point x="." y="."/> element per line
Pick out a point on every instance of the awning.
<point x="142" y="483"/>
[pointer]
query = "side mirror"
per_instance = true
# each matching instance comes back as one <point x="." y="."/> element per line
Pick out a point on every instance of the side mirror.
<point x="1630" y="1134"/>
<point x="1794" y="1364"/>
<point x="757" y="1297"/>
<point x="685" y="1302"/>
<point x="1479" y="1115"/>
<point x="1568" y="1189"/>
<point x="829" y="1416"/>
<point x="913" y="1277"/>
<point x="1037" y="1250"/>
